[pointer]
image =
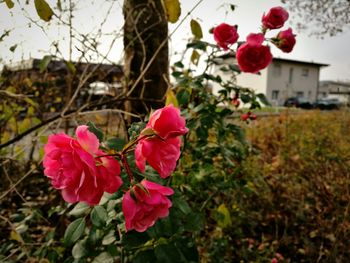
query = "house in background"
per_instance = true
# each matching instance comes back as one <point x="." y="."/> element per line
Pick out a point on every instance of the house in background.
<point x="335" y="89"/>
<point x="282" y="79"/>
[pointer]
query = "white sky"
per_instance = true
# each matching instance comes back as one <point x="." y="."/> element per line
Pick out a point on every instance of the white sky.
<point x="32" y="42"/>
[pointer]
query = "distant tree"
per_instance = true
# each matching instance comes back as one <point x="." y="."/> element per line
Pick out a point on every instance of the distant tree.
<point x="321" y="17"/>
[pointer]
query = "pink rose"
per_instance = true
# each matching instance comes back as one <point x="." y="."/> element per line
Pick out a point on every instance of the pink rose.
<point x="285" y="40"/>
<point x="163" y="150"/>
<point x="275" y="18"/>
<point x="144" y="205"/>
<point x="160" y="154"/>
<point x="167" y="122"/>
<point x="74" y="167"/>
<point x="252" y="56"/>
<point x="225" y="34"/>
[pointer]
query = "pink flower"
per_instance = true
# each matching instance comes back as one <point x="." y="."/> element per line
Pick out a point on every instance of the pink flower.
<point x="225" y="34"/>
<point x="274" y="260"/>
<point x="74" y="167"/>
<point x="285" y="40"/>
<point x="144" y="204"/>
<point x="167" y="122"/>
<point x="162" y="155"/>
<point x="252" y="56"/>
<point x="163" y="150"/>
<point x="275" y="18"/>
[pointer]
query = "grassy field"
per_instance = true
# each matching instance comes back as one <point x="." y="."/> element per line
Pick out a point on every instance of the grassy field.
<point x="299" y="177"/>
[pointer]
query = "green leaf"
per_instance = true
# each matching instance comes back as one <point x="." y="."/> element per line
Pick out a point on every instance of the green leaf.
<point x="134" y="239"/>
<point x="224" y="220"/>
<point x="74" y="231"/>
<point x="109" y="238"/>
<point x="169" y="253"/>
<point x="182" y="205"/>
<point x="183" y="96"/>
<point x="95" y="130"/>
<point x="195" y="57"/>
<point x="115" y="143"/>
<point x="196" y="29"/>
<point x="148" y="132"/>
<point x="79" y="249"/>
<point x="13" y="48"/>
<point x="197" y="44"/>
<point x="171" y="98"/>
<point x="263" y="99"/>
<point x="144" y="256"/>
<point x="172" y="10"/>
<point x="43" y="9"/>
<point x="44" y="63"/>
<point x="235" y="68"/>
<point x="72" y="69"/>
<point x="179" y="64"/>
<point x="104" y="257"/>
<point x="79" y="209"/>
<point x="99" y="216"/>
<point x="9" y="4"/>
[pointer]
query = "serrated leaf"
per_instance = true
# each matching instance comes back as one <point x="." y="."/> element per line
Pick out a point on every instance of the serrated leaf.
<point x="171" y="98"/>
<point x="224" y="220"/>
<point x="74" y="231"/>
<point x="195" y="57"/>
<point x="44" y="63"/>
<point x="43" y="9"/>
<point x="196" y="29"/>
<point x="99" y="216"/>
<point x="79" y="209"/>
<point x="95" y="130"/>
<point x="172" y="10"/>
<point x="9" y="4"/>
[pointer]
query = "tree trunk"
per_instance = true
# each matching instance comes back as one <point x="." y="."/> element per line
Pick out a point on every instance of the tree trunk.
<point x="145" y="38"/>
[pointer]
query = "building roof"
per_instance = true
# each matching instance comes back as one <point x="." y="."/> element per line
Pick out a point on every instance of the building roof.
<point x="277" y="59"/>
<point x="61" y="65"/>
<point x="336" y="83"/>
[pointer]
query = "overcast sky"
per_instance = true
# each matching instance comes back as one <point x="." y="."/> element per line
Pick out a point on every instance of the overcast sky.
<point x="33" y="42"/>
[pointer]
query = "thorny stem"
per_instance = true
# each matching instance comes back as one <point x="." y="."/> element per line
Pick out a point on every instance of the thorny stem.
<point x="127" y="168"/>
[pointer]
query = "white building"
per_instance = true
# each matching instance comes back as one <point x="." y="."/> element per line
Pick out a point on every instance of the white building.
<point x="282" y="79"/>
<point x="335" y="89"/>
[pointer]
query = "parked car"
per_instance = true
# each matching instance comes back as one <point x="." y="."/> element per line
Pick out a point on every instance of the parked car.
<point x="298" y="103"/>
<point x="328" y="104"/>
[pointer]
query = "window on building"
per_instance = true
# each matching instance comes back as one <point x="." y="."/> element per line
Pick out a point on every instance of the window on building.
<point x="309" y="94"/>
<point x="300" y="94"/>
<point x="305" y="72"/>
<point x="275" y="94"/>
<point x="290" y="75"/>
<point x="277" y="69"/>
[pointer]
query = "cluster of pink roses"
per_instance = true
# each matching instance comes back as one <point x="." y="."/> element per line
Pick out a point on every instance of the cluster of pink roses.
<point x="83" y="172"/>
<point x="252" y="56"/>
